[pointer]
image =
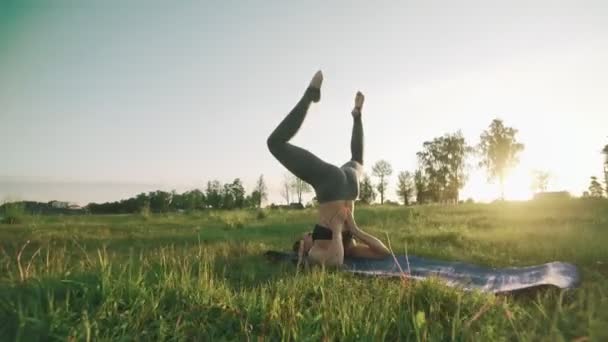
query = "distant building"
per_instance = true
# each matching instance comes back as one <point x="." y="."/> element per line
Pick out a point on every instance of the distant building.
<point x="59" y="204"/>
<point x="552" y="195"/>
<point x="293" y="205"/>
<point x="74" y="206"/>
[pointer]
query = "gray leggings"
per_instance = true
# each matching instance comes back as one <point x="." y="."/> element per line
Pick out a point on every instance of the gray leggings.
<point x="330" y="182"/>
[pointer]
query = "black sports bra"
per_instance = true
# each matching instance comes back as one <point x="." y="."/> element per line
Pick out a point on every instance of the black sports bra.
<point x="323" y="233"/>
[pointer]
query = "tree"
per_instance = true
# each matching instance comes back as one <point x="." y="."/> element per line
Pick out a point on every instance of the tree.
<point x="299" y="187"/>
<point x="253" y="200"/>
<point x="236" y="193"/>
<point x="177" y="201"/>
<point x="261" y="192"/>
<point x="457" y="150"/>
<point x="286" y="188"/>
<point x="382" y="169"/>
<point x="233" y="195"/>
<point x="194" y="199"/>
<point x="595" y="188"/>
<point x="540" y="180"/>
<point x="239" y="192"/>
<point x="228" y="200"/>
<point x="499" y="150"/>
<point x="421" y="187"/>
<point x="443" y="162"/>
<point x="367" y="194"/>
<point x="159" y="201"/>
<point x="605" y="152"/>
<point x="214" y="194"/>
<point x="142" y="202"/>
<point x="405" y="186"/>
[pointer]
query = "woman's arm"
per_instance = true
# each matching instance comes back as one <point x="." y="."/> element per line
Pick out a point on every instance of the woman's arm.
<point x="300" y="253"/>
<point x="374" y="248"/>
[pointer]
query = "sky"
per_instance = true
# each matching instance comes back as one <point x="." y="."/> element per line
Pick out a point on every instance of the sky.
<point x="100" y="100"/>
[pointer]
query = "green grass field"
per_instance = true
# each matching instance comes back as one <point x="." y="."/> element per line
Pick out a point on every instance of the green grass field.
<point x="202" y="277"/>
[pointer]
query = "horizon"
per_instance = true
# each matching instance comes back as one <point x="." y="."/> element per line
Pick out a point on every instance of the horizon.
<point x="132" y="190"/>
<point x="105" y="100"/>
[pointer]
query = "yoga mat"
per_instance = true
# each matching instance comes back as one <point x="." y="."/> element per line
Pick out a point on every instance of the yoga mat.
<point x="458" y="274"/>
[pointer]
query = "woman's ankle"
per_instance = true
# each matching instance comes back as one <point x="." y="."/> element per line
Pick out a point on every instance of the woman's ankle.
<point x="313" y="94"/>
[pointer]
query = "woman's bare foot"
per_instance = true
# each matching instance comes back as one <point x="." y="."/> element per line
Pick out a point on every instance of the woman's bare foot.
<point x="359" y="99"/>
<point x="317" y="80"/>
<point x="315" y="86"/>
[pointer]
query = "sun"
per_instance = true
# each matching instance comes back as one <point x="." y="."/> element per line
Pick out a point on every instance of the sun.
<point x="518" y="184"/>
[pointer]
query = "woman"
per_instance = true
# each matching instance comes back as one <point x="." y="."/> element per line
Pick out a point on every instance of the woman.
<point x="336" y="187"/>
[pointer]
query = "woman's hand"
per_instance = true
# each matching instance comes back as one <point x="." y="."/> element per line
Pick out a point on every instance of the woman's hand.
<point x="375" y="246"/>
<point x="350" y="223"/>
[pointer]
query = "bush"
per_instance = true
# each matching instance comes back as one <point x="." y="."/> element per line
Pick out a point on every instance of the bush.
<point x="233" y="224"/>
<point x="14" y="213"/>
<point x="261" y="214"/>
<point x="144" y="212"/>
<point x="391" y="203"/>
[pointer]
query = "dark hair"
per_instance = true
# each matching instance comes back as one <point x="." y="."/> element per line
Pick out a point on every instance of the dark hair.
<point x="296" y="246"/>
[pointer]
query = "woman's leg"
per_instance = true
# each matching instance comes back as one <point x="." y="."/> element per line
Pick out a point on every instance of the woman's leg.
<point x="299" y="161"/>
<point x="356" y="140"/>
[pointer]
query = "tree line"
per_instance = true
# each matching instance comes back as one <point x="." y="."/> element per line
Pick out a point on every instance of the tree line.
<point x="215" y="196"/>
<point x="595" y="188"/>
<point x="441" y="173"/>
<point x="442" y="166"/>
<point x="443" y="163"/>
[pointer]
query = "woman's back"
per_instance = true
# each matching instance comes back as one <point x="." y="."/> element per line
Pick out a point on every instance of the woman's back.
<point x="332" y="216"/>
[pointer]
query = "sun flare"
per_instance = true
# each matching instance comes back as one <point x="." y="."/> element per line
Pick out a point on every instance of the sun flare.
<point x="517" y="186"/>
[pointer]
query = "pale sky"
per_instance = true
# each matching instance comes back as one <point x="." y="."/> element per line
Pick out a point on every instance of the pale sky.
<point x="100" y="100"/>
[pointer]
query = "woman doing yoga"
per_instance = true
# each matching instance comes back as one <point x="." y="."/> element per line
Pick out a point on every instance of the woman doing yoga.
<point x="336" y="188"/>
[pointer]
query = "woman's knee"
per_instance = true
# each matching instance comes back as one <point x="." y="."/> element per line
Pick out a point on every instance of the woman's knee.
<point x="273" y="143"/>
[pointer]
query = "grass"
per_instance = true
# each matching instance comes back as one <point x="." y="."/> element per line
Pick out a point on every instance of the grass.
<point x="201" y="276"/>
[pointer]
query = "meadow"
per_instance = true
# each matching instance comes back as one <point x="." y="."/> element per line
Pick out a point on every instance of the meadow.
<point x="202" y="276"/>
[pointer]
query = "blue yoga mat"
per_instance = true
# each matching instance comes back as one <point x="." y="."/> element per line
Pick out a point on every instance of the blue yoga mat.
<point x="458" y="274"/>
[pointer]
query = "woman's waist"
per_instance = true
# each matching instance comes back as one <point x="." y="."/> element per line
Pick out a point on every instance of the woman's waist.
<point x="332" y="214"/>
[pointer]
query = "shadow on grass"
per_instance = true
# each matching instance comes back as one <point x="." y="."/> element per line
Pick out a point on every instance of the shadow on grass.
<point x="123" y="240"/>
<point x="27" y="310"/>
<point x="251" y="269"/>
<point x="58" y="308"/>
